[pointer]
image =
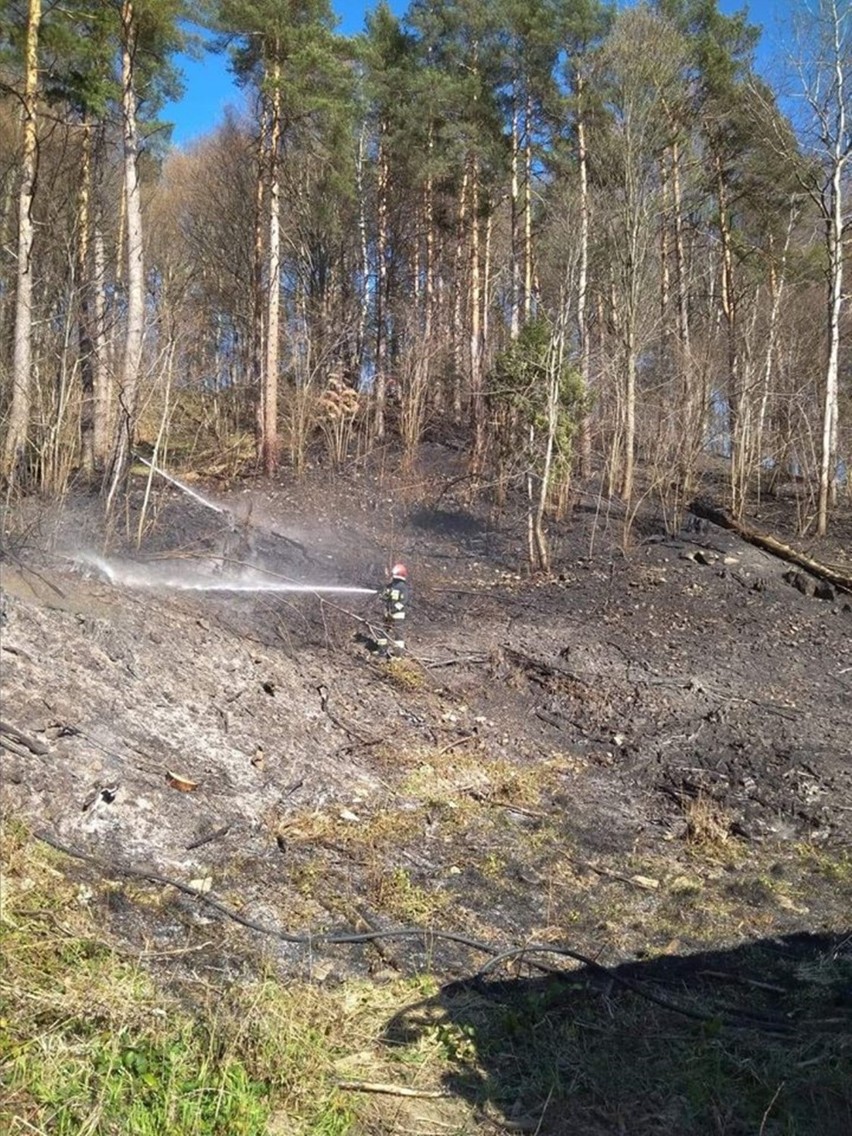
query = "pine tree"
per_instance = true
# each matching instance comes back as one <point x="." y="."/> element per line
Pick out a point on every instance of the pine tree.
<point x="286" y="53"/>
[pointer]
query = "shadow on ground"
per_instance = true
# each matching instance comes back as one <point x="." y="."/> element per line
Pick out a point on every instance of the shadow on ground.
<point x="447" y="522"/>
<point x="756" y="1039"/>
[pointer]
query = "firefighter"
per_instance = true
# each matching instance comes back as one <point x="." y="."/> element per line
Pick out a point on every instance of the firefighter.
<point x="395" y="595"/>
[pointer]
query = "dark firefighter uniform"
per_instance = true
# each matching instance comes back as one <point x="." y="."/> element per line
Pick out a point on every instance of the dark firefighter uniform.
<point x="395" y="596"/>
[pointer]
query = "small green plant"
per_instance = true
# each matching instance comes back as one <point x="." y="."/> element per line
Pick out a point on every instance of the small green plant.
<point x="397" y="894"/>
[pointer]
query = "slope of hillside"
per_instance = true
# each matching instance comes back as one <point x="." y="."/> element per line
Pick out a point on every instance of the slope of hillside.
<point x="647" y="754"/>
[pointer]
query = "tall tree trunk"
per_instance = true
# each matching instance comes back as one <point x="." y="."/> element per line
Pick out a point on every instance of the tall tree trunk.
<point x="528" y="241"/>
<point x="364" y="299"/>
<point x="665" y="254"/>
<point x="258" y="309"/>
<point x="134" y="333"/>
<point x="583" y="285"/>
<point x="841" y="153"/>
<point x="486" y="284"/>
<point x="269" y="447"/>
<point x="680" y="259"/>
<point x="429" y="283"/>
<point x="14" y="452"/>
<point x="690" y="401"/>
<point x="739" y="472"/>
<point x="85" y="336"/>
<point x="555" y="364"/>
<point x="477" y="394"/>
<point x="777" y="281"/>
<point x="515" y="195"/>
<point x="103" y="407"/>
<point x="627" y="473"/>
<point x="382" y="175"/>
<point x="458" y="323"/>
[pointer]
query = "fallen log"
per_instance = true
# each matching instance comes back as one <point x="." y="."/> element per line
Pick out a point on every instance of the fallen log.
<point x="32" y="744"/>
<point x="768" y="543"/>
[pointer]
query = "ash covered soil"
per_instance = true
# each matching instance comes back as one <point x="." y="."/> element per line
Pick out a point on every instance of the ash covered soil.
<point x="546" y="763"/>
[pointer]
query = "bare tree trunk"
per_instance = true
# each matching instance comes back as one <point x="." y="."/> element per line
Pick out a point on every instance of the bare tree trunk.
<point x="134" y="334"/>
<point x="841" y="150"/>
<point x="14" y="452"/>
<point x="627" y="473"/>
<point x="555" y="363"/>
<point x="258" y="302"/>
<point x="429" y="224"/>
<point x="692" y="417"/>
<point x="382" y="174"/>
<point x="680" y="259"/>
<point x="477" y="399"/>
<point x="739" y="472"/>
<point x="273" y="299"/>
<point x="776" y="292"/>
<point x="665" y="269"/>
<point x="515" y="299"/>
<point x="457" y="327"/>
<point x="364" y="306"/>
<point x="85" y="338"/>
<point x="583" y="285"/>
<point x="528" y="241"/>
<point x="103" y="407"/>
<point x="486" y="284"/>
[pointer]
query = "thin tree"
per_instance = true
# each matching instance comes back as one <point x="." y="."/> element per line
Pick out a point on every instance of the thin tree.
<point x="19" y="414"/>
<point x="147" y="34"/>
<point x="135" y="326"/>
<point x="639" y="73"/>
<point x="284" y="52"/>
<point x="824" y="68"/>
<point x="581" y="25"/>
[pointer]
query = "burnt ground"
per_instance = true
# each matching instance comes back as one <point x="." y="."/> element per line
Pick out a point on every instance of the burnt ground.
<point x="648" y="753"/>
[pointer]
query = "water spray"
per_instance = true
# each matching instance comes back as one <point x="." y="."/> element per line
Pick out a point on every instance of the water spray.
<point x="130" y="575"/>
<point x="199" y="497"/>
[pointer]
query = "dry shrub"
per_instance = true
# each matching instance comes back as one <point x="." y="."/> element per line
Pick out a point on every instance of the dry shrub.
<point x="707" y="823"/>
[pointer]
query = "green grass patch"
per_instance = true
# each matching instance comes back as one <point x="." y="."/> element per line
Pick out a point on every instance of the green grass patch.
<point x="91" y="1044"/>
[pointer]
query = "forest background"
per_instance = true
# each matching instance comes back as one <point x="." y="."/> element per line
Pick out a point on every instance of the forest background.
<point x="568" y="237"/>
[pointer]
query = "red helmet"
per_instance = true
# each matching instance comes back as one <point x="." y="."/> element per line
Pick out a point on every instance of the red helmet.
<point x="399" y="572"/>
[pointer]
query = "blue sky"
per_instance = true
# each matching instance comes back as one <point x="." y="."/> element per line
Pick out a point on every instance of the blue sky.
<point x="210" y="88"/>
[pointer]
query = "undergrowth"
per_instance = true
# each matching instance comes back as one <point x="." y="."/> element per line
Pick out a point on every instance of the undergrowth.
<point x="90" y="1044"/>
<point x="95" y="1041"/>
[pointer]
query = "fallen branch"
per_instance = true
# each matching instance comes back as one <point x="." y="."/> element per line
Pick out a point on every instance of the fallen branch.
<point x="725" y="976"/>
<point x="215" y="835"/>
<point x="390" y="1090"/>
<point x="354" y="737"/>
<point x="462" y="659"/>
<point x="561" y="721"/>
<point x="538" y="668"/>
<point x="455" y="744"/>
<point x="643" y="882"/>
<point x="13" y="747"/>
<point x="538" y="814"/>
<point x="34" y="746"/>
<point x="721" y="517"/>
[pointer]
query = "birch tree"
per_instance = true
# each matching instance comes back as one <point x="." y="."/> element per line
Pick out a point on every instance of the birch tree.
<point x="824" y="70"/>
<point x="147" y="34"/>
<point x="581" y="25"/>
<point x="639" y="72"/>
<point x="14" y="449"/>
